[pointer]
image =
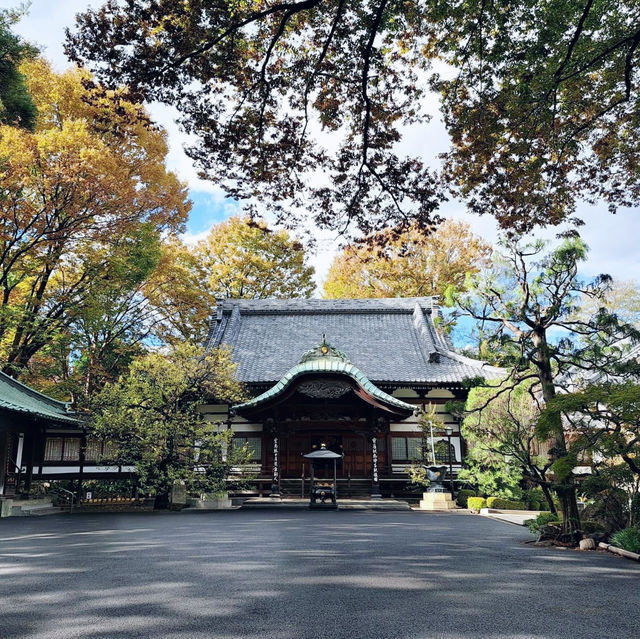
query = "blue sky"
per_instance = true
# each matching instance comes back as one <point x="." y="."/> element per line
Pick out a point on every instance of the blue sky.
<point x="613" y="239"/>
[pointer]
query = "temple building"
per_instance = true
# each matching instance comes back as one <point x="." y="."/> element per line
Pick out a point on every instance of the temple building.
<point x="349" y="374"/>
<point x="41" y="438"/>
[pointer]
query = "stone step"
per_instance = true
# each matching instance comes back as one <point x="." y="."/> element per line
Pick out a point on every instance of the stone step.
<point x="46" y="510"/>
<point x="33" y="508"/>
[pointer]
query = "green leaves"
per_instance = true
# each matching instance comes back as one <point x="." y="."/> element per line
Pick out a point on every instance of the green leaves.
<point x="16" y="105"/>
<point x="540" y="101"/>
<point x="153" y="413"/>
<point x="242" y="258"/>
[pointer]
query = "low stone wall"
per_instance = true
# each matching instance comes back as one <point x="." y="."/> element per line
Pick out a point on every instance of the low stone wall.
<point x="115" y="504"/>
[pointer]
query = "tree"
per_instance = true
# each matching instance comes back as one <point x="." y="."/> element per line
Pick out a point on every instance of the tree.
<point x="152" y="415"/>
<point x="413" y="264"/>
<point x="16" y="105"/>
<point x="239" y="259"/>
<point x="89" y="179"/>
<point x="503" y="446"/>
<point x="244" y="259"/>
<point x="606" y="417"/>
<point x="525" y="297"/>
<point x="179" y="292"/>
<point x="541" y="102"/>
<point x="107" y="330"/>
<point x="621" y="298"/>
<point x="428" y="422"/>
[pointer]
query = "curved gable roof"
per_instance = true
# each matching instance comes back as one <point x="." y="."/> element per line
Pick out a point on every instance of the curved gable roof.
<point x="325" y="359"/>
<point x="20" y="398"/>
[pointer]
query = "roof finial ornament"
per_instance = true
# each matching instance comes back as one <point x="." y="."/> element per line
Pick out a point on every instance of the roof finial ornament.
<point x="324" y="347"/>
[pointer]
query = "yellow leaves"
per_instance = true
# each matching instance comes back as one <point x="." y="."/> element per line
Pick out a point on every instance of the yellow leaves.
<point x="92" y="174"/>
<point x="415" y="264"/>
<point x="247" y="259"/>
<point x="99" y="144"/>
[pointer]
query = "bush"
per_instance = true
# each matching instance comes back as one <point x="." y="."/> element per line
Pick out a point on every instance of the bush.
<point x="590" y="527"/>
<point x="542" y="523"/>
<point x="534" y="498"/>
<point x="609" y="508"/>
<point x="627" y="539"/>
<point x="476" y="503"/>
<point x="463" y="496"/>
<point x="504" y="504"/>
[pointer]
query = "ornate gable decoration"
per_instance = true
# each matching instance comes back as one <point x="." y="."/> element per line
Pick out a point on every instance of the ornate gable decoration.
<point x="325" y="389"/>
<point x="324" y="350"/>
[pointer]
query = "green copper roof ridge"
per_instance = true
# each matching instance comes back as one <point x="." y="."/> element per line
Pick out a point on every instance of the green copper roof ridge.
<point x="308" y="367"/>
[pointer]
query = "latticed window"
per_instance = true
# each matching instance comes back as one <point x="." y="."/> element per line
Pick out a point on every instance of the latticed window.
<point x="53" y="449"/>
<point x="414" y="447"/>
<point x="71" y="450"/>
<point x="109" y="450"/>
<point x="253" y="444"/>
<point x="93" y="451"/>
<point x="62" y="449"/>
<point x="406" y="448"/>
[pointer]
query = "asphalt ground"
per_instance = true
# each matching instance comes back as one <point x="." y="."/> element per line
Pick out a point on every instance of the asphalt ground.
<point x="303" y="575"/>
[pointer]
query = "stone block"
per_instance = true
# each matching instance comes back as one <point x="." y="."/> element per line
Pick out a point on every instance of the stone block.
<point x="587" y="544"/>
<point x="437" y="501"/>
<point x="211" y="502"/>
<point x="5" y="507"/>
<point x="178" y="496"/>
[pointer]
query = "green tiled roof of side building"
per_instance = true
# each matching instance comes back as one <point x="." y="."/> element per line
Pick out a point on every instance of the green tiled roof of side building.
<point x="20" y="398"/>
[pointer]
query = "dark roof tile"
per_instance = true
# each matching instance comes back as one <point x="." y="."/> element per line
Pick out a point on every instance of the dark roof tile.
<point x="390" y="339"/>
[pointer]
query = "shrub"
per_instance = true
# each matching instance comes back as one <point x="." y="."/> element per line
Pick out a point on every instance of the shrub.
<point x="534" y="498"/>
<point x="463" y="496"/>
<point x="476" y="503"/>
<point x="627" y="539"/>
<point x="609" y="508"/>
<point x="590" y="527"/>
<point x="542" y="523"/>
<point x="504" y="504"/>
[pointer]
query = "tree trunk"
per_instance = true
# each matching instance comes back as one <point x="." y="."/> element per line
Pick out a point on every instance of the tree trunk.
<point x="564" y="484"/>
<point x="549" y="498"/>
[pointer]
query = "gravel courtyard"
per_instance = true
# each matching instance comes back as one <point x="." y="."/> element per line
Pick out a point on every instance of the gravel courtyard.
<point x="300" y="574"/>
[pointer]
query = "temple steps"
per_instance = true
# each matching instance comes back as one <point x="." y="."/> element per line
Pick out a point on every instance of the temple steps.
<point x="32" y="508"/>
<point x="346" y="488"/>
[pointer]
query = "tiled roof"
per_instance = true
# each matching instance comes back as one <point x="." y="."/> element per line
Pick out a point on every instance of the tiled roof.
<point x="19" y="398"/>
<point x="389" y="340"/>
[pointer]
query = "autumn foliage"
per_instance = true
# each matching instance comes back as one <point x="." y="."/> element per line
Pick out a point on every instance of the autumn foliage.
<point x="414" y="264"/>
<point x="88" y="179"/>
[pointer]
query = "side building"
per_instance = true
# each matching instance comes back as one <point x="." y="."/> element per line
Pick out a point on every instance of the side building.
<point x="349" y="374"/>
<point x="42" y="439"/>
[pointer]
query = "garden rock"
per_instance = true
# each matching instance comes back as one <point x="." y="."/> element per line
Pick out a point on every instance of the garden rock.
<point x="587" y="544"/>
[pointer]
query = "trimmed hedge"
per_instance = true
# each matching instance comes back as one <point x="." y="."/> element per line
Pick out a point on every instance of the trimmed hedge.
<point x="505" y="504"/>
<point x="476" y="503"/>
<point x="463" y="496"/>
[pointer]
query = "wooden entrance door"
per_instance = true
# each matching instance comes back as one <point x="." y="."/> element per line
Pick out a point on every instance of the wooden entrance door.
<point x="356" y="447"/>
<point x="357" y="456"/>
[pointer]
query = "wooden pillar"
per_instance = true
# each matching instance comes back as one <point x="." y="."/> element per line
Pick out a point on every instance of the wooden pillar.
<point x="4" y="454"/>
<point x="33" y="443"/>
<point x="81" y="459"/>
